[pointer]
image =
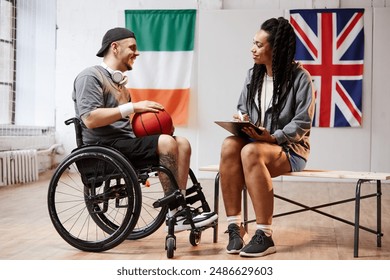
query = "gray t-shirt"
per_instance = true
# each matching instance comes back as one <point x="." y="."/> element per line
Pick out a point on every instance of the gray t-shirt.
<point x="93" y="88"/>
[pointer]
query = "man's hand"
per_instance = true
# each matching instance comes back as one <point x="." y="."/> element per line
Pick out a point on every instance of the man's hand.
<point x="147" y="106"/>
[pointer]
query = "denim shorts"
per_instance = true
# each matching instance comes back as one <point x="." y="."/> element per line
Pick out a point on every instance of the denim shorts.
<point x="297" y="163"/>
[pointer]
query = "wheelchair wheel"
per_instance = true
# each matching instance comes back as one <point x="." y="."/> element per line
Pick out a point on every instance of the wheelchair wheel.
<point x="195" y="237"/>
<point x="150" y="218"/>
<point x="94" y="199"/>
<point x="170" y="246"/>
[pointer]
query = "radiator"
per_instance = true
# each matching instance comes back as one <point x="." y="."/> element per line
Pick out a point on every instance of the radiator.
<point x="19" y="166"/>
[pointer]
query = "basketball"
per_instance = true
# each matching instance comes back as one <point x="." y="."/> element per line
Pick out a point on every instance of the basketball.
<point x="151" y="123"/>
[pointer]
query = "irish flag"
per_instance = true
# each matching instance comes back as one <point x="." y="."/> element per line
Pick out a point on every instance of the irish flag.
<point x="162" y="72"/>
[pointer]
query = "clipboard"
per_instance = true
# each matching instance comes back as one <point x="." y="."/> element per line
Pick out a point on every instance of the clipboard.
<point x="235" y="127"/>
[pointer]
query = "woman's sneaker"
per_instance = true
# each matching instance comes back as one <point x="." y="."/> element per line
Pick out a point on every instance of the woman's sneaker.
<point x="236" y="241"/>
<point x="260" y="245"/>
<point x="199" y="220"/>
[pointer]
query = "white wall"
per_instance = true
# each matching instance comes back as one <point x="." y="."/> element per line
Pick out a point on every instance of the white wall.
<point x="223" y="40"/>
<point x="224" y="58"/>
<point x="380" y="130"/>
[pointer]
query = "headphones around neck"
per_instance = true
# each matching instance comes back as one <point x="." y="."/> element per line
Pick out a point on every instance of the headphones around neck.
<point x="117" y="76"/>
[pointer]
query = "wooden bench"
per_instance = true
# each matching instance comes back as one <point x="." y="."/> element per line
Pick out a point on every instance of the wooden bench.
<point x="360" y="177"/>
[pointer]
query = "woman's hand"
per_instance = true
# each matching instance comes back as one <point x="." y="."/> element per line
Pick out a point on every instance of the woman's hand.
<point x="265" y="136"/>
<point x="243" y="117"/>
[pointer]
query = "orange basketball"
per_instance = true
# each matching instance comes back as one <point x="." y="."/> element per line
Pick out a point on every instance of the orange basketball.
<point x="150" y="123"/>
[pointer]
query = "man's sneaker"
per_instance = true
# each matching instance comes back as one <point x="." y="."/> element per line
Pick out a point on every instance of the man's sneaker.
<point x="236" y="241"/>
<point x="199" y="220"/>
<point x="260" y="245"/>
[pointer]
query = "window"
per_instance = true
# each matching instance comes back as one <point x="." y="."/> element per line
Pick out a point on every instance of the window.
<point x="27" y="73"/>
<point x="7" y="61"/>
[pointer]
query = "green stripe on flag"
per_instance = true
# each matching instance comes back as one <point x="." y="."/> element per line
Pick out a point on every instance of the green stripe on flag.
<point x="162" y="30"/>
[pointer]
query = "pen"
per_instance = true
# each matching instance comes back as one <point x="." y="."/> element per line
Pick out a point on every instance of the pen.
<point x="240" y="115"/>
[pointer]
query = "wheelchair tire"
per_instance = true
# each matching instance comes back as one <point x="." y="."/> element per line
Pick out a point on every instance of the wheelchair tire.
<point x="170" y="245"/>
<point x="94" y="198"/>
<point x="195" y="237"/>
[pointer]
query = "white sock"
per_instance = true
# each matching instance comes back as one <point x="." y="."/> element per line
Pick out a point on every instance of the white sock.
<point x="267" y="229"/>
<point x="234" y="220"/>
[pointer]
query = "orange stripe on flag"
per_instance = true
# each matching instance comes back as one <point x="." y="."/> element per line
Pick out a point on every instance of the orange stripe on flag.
<point x="175" y="101"/>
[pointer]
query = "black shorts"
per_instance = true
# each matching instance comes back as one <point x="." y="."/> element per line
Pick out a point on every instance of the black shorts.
<point x="140" y="151"/>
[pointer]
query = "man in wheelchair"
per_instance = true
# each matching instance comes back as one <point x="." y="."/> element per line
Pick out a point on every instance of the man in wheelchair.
<point x="103" y="104"/>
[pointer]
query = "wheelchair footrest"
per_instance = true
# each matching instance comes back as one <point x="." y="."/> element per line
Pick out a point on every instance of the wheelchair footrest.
<point x="173" y="197"/>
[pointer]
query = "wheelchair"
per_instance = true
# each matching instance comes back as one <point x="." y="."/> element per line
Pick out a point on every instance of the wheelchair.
<point x="97" y="199"/>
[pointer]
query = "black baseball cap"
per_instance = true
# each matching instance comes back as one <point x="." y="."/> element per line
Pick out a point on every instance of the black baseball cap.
<point x="112" y="35"/>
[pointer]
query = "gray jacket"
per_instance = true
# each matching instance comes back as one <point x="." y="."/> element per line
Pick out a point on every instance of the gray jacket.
<point x="293" y="128"/>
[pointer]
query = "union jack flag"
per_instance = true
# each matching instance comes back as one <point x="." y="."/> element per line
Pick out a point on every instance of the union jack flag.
<point x="330" y="45"/>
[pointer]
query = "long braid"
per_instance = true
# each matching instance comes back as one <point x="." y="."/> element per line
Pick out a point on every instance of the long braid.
<point x="255" y="87"/>
<point x="282" y="39"/>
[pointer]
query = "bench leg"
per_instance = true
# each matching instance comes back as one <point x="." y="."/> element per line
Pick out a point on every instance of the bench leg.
<point x="216" y="206"/>
<point x="357" y="218"/>
<point x="378" y="214"/>
<point x="245" y="207"/>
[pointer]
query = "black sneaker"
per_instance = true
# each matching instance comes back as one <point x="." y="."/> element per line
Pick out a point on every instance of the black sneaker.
<point x="235" y="239"/>
<point x="199" y="220"/>
<point x="260" y="245"/>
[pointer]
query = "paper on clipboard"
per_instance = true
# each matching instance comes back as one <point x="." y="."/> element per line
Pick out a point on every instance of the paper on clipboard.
<point x="235" y="127"/>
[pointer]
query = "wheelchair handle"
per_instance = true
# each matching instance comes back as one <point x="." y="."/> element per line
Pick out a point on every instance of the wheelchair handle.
<point x="78" y="130"/>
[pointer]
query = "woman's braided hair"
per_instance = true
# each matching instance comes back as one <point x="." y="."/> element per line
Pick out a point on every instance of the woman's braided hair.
<point x="282" y="40"/>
